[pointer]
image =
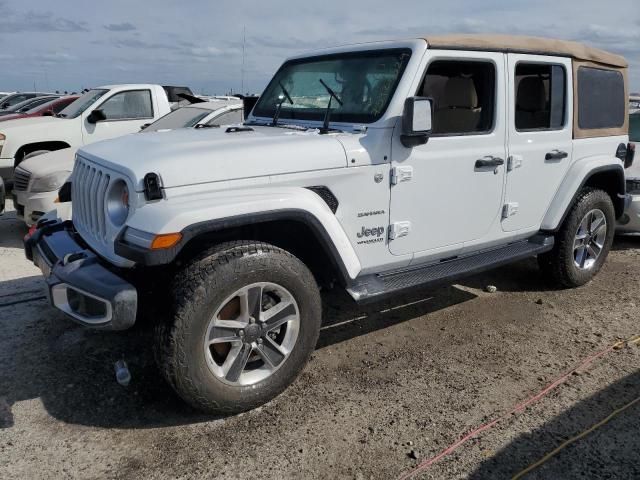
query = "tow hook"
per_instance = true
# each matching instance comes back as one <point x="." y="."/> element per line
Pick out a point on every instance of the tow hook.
<point x="72" y="257"/>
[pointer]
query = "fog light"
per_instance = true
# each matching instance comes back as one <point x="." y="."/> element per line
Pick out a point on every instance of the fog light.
<point x="84" y="305"/>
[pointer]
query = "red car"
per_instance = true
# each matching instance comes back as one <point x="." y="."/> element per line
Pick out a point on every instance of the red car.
<point x="46" y="109"/>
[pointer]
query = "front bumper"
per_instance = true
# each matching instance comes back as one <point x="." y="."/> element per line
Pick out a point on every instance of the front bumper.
<point x="32" y="206"/>
<point x="78" y="282"/>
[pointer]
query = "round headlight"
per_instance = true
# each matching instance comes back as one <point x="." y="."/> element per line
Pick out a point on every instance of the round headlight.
<point x="118" y="203"/>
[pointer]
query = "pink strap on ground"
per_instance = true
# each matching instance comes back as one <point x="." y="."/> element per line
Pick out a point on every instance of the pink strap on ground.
<point x="519" y="407"/>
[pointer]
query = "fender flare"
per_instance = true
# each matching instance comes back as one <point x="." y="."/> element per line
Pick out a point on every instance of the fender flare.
<point x="575" y="179"/>
<point x="298" y="205"/>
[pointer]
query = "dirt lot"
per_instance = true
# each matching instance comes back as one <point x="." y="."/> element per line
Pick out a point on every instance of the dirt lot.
<point x="388" y="382"/>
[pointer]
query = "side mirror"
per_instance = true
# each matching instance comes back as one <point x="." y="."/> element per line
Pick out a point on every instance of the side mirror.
<point x="96" y="116"/>
<point x="47" y="113"/>
<point x="144" y="126"/>
<point x="416" y="121"/>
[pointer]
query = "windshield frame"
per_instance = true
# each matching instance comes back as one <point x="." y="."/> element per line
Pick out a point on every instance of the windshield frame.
<point x="266" y="112"/>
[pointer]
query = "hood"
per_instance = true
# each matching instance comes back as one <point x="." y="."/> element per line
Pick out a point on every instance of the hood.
<point x="21" y="123"/>
<point x="190" y="156"/>
<point x="22" y="131"/>
<point x="52" y="162"/>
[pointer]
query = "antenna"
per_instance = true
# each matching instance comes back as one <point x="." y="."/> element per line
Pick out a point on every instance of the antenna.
<point x="244" y="40"/>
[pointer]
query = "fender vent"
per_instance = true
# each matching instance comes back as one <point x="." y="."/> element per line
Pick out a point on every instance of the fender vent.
<point x="325" y="194"/>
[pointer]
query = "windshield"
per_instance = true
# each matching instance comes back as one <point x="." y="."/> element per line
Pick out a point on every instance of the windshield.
<point x="82" y="103"/>
<point x="634" y="127"/>
<point x="363" y="81"/>
<point x="182" y="118"/>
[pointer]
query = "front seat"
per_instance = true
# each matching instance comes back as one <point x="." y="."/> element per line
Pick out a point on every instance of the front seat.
<point x="459" y="112"/>
<point x="531" y="104"/>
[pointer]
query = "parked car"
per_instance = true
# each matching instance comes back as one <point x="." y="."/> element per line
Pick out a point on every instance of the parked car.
<point x="23" y="107"/>
<point x="99" y="114"/>
<point x="630" y="221"/>
<point x="213" y="113"/>
<point x="14" y="98"/>
<point x="3" y="196"/>
<point x="38" y="179"/>
<point x="384" y="166"/>
<point x="49" y="108"/>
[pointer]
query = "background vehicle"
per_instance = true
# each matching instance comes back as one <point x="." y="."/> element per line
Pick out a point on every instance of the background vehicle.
<point x="630" y="221"/>
<point x="206" y="114"/>
<point x="38" y="179"/>
<point x="14" y="98"/>
<point x="3" y="196"/>
<point x="49" y="108"/>
<point x="382" y="167"/>
<point x="99" y="114"/>
<point x="23" y="107"/>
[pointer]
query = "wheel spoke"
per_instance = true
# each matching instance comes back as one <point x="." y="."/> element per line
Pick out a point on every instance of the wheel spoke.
<point x="279" y="316"/>
<point x="581" y="256"/>
<point x="236" y="361"/>
<point x="594" y="249"/>
<point x="596" y="224"/>
<point x="251" y="303"/>
<point x="225" y="331"/>
<point x="271" y="352"/>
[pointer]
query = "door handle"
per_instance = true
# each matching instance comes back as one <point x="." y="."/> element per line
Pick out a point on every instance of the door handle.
<point x="556" y="155"/>
<point x="489" y="161"/>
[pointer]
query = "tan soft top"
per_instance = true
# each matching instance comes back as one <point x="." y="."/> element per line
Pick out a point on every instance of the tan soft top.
<point x="522" y="44"/>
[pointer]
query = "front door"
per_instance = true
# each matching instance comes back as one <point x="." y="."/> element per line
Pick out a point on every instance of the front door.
<point x="540" y="137"/>
<point x="126" y="112"/>
<point x="449" y="191"/>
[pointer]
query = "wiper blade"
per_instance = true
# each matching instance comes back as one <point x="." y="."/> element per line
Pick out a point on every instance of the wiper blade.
<point x="327" y="115"/>
<point x="286" y="96"/>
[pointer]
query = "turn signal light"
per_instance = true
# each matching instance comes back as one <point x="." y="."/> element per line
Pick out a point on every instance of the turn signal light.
<point x="166" y="240"/>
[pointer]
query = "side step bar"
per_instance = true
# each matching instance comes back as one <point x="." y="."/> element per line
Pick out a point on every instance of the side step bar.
<point x="373" y="287"/>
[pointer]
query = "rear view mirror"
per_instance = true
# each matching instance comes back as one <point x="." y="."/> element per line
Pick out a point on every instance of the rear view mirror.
<point x="416" y="121"/>
<point x="96" y="116"/>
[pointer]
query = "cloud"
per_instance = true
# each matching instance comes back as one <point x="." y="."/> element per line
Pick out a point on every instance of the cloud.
<point x="40" y="22"/>
<point x="120" y="27"/>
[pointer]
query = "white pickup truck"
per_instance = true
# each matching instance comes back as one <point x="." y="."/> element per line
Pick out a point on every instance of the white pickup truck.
<point x="101" y="113"/>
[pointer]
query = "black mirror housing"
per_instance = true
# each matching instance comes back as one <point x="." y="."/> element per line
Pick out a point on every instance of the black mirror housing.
<point x="96" y="116"/>
<point x="416" y="121"/>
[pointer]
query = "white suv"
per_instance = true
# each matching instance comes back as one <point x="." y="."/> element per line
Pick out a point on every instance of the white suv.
<point x="384" y="166"/>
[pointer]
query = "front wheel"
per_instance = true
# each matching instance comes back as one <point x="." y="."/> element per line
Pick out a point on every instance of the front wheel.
<point x="246" y="319"/>
<point x="583" y="242"/>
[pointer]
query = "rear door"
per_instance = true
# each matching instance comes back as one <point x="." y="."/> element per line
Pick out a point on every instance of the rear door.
<point x="540" y="136"/>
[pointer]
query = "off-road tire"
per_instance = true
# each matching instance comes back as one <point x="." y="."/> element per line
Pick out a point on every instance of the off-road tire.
<point x="558" y="266"/>
<point x="198" y="290"/>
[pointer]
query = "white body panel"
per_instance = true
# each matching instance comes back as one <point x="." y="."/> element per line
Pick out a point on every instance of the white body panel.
<point x="452" y="206"/>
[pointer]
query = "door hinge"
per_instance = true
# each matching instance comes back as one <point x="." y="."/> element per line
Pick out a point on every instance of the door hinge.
<point x="399" y="229"/>
<point x="509" y="209"/>
<point x="513" y="162"/>
<point x="401" y="174"/>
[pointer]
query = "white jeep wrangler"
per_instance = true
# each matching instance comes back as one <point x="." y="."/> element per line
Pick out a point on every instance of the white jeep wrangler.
<point x="384" y="166"/>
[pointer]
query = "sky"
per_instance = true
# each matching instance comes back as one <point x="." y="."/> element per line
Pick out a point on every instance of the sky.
<point x="75" y="44"/>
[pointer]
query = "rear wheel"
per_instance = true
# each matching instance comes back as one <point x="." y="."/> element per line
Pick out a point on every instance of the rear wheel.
<point x="583" y="242"/>
<point x="246" y="319"/>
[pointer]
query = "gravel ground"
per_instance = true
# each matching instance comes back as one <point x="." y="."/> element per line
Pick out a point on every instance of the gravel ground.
<point x="390" y="384"/>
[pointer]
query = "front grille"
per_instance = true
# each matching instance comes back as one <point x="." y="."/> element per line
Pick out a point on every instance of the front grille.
<point x="21" y="179"/>
<point x="88" y="190"/>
